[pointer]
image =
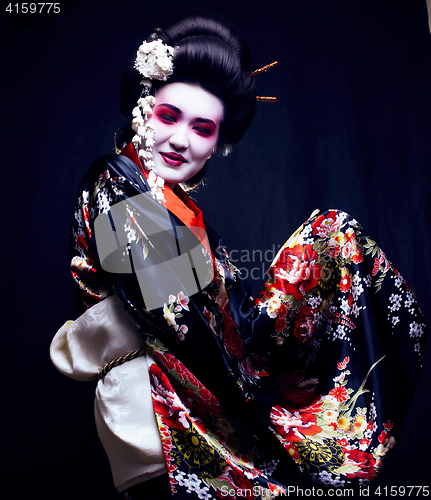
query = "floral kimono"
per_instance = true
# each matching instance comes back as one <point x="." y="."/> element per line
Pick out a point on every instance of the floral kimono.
<point x="252" y="396"/>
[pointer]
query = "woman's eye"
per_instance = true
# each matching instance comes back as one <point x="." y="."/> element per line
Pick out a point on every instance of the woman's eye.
<point x="167" y="118"/>
<point x="203" y="131"/>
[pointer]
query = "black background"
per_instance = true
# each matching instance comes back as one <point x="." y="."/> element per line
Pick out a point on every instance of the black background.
<point x="351" y="130"/>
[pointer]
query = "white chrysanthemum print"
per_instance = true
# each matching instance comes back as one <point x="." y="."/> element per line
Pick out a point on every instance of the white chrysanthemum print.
<point x="416" y="330"/>
<point x="325" y="478"/>
<point x="345" y="306"/>
<point x="340" y="332"/>
<point x="355" y="309"/>
<point x="103" y="201"/>
<point x="314" y="302"/>
<point x="307" y="231"/>
<point x="395" y="320"/>
<point x="395" y="300"/>
<point x="409" y="299"/>
<point x="399" y="280"/>
<point x="373" y="412"/>
<point x="193" y="483"/>
<point x="357" y="291"/>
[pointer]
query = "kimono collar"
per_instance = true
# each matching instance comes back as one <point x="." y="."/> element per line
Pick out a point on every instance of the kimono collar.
<point x="177" y="200"/>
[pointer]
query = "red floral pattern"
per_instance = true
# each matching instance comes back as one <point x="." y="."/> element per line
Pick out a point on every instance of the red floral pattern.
<point x="321" y="289"/>
<point x="193" y="388"/>
<point x="295" y="426"/>
<point x="297" y="271"/>
<point x="327" y="223"/>
<point x="305" y="325"/>
<point x="365" y="461"/>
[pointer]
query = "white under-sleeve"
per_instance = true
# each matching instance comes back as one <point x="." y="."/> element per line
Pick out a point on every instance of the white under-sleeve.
<point x="123" y="407"/>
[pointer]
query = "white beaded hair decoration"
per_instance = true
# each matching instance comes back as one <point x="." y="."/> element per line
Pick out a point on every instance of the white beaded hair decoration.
<point x="154" y="61"/>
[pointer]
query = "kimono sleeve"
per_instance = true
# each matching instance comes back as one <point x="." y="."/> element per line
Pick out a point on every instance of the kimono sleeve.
<point x="110" y="180"/>
<point x="92" y="283"/>
<point x="340" y="335"/>
<point x="333" y="294"/>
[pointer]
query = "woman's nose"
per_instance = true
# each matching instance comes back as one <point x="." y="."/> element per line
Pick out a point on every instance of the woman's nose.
<point x="179" y="138"/>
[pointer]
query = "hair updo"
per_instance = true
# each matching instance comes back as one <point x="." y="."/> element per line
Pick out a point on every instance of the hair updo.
<point x="209" y="52"/>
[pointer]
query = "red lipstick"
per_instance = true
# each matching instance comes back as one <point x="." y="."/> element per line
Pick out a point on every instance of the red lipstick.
<point x="173" y="159"/>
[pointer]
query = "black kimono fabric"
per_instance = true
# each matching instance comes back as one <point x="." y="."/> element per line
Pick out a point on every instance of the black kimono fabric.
<point x="312" y="379"/>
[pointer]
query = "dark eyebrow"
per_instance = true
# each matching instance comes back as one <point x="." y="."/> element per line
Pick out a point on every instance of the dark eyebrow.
<point x="206" y="120"/>
<point x="174" y="108"/>
<point x="178" y="111"/>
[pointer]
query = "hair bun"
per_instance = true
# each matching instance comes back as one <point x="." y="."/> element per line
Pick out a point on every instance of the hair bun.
<point x="199" y="22"/>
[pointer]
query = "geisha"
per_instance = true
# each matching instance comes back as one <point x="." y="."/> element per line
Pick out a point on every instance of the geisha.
<point x="202" y="390"/>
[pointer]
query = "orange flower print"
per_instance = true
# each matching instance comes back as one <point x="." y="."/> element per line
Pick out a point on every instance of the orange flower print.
<point x="343" y="442"/>
<point x="343" y="363"/>
<point x="339" y="393"/>
<point x="357" y="253"/>
<point x="346" y="280"/>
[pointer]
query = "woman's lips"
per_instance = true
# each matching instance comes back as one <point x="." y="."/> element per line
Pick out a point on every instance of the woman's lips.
<point x="173" y="159"/>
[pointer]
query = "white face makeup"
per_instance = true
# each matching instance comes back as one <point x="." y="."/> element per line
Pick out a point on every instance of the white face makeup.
<point x="187" y="121"/>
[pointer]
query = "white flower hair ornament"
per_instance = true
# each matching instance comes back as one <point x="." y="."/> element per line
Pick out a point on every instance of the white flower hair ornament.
<point x="154" y="61"/>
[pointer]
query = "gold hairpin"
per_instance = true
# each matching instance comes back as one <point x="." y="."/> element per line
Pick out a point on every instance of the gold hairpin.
<point x="262" y="70"/>
<point x="265" y="99"/>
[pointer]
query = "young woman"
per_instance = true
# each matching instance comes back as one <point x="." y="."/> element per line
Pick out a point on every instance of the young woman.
<point x="203" y="391"/>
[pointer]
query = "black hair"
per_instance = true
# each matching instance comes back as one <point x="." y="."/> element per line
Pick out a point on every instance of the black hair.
<point x="209" y="52"/>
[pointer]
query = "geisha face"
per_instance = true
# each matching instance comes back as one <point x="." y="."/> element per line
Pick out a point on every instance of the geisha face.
<point x="187" y="121"/>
